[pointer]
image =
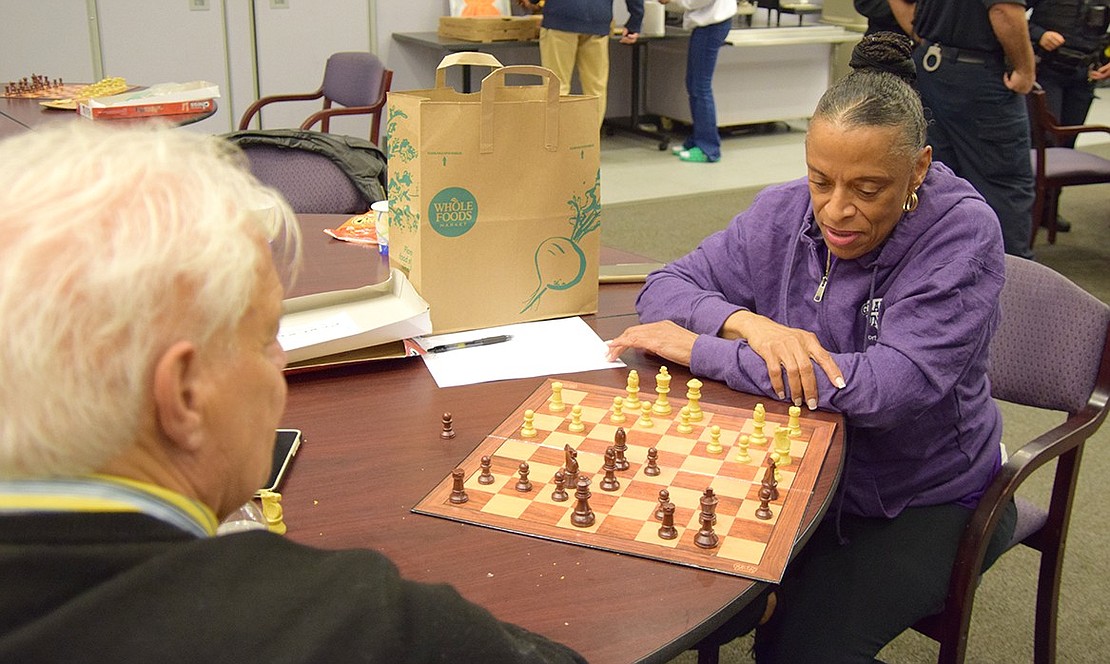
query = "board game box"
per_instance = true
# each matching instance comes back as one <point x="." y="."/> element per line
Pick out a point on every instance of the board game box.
<point x="749" y="541"/>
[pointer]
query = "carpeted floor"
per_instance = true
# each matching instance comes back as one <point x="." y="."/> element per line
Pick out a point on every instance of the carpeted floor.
<point x="1002" y="625"/>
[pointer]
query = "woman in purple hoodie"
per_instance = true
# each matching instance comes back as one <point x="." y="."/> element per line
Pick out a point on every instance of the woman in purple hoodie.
<point x="871" y="288"/>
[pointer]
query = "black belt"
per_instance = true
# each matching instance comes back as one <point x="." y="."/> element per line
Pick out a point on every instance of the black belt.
<point x="964" y="55"/>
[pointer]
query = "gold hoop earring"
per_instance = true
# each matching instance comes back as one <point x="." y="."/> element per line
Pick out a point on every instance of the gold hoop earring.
<point x="911" y="202"/>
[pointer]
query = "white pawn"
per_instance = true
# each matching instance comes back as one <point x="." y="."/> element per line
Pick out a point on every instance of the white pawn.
<point x="618" y="410"/>
<point x="557" y="405"/>
<point x="529" y="428"/>
<point x="742" y="454"/>
<point x="684" y="425"/>
<point x="576" y="419"/>
<point x="714" y="446"/>
<point x="645" y="415"/>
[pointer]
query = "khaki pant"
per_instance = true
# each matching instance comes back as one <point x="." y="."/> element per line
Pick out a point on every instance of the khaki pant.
<point x="561" y="51"/>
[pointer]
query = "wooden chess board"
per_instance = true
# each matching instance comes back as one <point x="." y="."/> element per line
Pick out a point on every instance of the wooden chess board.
<point x="63" y="91"/>
<point x="625" y="518"/>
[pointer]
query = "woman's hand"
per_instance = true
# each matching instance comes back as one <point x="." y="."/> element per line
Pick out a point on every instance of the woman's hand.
<point x="665" y="338"/>
<point x="785" y="349"/>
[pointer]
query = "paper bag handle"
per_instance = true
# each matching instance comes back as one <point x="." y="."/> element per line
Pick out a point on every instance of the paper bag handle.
<point x="496" y="79"/>
<point x="475" y="58"/>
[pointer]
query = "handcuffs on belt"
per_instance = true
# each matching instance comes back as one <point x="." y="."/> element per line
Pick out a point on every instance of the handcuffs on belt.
<point x="931" y="61"/>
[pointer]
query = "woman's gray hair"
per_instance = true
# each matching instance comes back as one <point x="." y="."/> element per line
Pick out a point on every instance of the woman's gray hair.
<point x="114" y="244"/>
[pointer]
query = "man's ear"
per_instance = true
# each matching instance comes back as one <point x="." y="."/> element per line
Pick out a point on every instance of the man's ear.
<point x="176" y="394"/>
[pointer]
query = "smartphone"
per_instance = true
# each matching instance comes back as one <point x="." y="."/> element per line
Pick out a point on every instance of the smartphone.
<point x="285" y="448"/>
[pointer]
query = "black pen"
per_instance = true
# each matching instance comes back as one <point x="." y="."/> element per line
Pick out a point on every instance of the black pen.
<point x="486" y="341"/>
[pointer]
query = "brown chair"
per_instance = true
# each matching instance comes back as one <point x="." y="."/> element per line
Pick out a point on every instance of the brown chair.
<point x="357" y="81"/>
<point x="1055" y="167"/>
<point x="1052" y="351"/>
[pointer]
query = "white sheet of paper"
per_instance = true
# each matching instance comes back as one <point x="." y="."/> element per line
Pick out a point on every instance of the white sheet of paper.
<point x="542" y="348"/>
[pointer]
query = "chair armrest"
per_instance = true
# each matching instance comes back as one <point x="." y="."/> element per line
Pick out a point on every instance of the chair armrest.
<point x="1075" y="130"/>
<point x="253" y="109"/>
<point x="327" y="113"/>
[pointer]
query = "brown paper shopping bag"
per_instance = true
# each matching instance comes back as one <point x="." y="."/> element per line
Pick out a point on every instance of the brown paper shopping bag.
<point x="494" y="197"/>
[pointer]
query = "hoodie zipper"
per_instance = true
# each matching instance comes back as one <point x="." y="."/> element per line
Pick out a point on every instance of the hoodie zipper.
<point x="820" y="294"/>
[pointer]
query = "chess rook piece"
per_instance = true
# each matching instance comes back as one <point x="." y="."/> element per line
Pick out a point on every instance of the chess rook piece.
<point x="684" y="425"/>
<point x="662" y="387"/>
<point x="742" y="455"/>
<point x="664" y="498"/>
<point x="556" y="405"/>
<point x="486" y="476"/>
<point x="560" y="495"/>
<point x="458" y="493"/>
<point x="617" y="416"/>
<point x="652" y="467"/>
<point x="529" y="428"/>
<point x="667" y="531"/>
<point x="794" y="424"/>
<point x="633" y="390"/>
<point x="645" y="415"/>
<point x="620" y="446"/>
<point x="693" y="395"/>
<point x="714" y="446"/>
<point x="706" y="538"/>
<point x="764" y="509"/>
<point x="583" y="516"/>
<point x="523" y="485"/>
<point x="448" y="427"/>
<point x="609" y="482"/>
<point x="576" y="419"/>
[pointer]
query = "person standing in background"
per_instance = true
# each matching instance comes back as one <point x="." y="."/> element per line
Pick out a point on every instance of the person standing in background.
<point x="974" y="67"/>
<point x="710" y="20"/>
<point x="575" y="34"/>
<point x="1068" y="36"/>
<point x="879" y="16"/>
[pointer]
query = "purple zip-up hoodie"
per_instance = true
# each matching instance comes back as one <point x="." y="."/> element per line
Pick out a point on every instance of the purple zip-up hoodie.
<point x="909" y="324"/>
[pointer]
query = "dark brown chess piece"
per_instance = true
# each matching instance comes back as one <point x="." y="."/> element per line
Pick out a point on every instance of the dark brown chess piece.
<point x="524" y="485"/>
<point x="706" y="538"/>
<point x="620" y="446"/>
<point x="652" y="467"/>
<point x="609" y="482"/>
<point x="664" y="498"/>
<point x="667" y="531"/>
<point x="583" y="516"/>
<point x="560" y="495"/>
<point x="486" y="476"/>
<point x="448" y="427"/>
<point x="458" y="493"/>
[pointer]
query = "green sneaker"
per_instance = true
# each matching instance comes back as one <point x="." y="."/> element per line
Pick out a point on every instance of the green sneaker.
<point x="694" y="154"/>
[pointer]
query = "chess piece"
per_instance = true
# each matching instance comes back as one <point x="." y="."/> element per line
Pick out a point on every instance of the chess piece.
<point x="572" y="466"/>
<point x="708" y="503"/>
<point x="667" y="531"/>
<point x="560" y="495"/>
<point x="771" y="479"/>
<point x="556" y="404"/>
<point x="652" y="467"/>
<point x="583" y="516"/>
<point x="633" y="390"/>
<point x="620" y="446"/>
<point x="759" y="418"/>
<point x="523" y="485"/>
<point x="664" y="498"/>
<point x="448" y="427"/>
<point x="693" y="396"/>
<point x="714" y="446"/>
<point x="609" y="482"/>
<point x="486" y="476"/>
<point x="458" y="492"/>
<point x="272" y="512"/>
<point x="742" y="446"/>
<point x="684" y="425"/>
<point x="576" y="419"/>
<point x="645" y="415"/>
<point x="764" y="509"/>
<point x="706" y="538"/>
<point x="782" y="447"/>
<point x="662" y="388"/>
<point x="617" y="416"/>
<point x="794" y="424"/>
<point x="529" y="428"/>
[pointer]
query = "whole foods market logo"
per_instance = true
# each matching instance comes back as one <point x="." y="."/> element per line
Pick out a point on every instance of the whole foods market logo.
<point x="453" y="212"/>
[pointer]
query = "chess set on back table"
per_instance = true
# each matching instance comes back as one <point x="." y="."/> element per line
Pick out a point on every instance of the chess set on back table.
<point x="704" y="485"/>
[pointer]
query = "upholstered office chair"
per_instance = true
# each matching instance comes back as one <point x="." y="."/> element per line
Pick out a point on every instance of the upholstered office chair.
<point x="1051" y="351"/>
<point x="357" y="81"/>
<point x="1057" y="167"/>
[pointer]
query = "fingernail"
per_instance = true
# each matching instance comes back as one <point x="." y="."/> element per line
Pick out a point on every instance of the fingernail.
<point x="840" y="381"/>
<point x="812" y="404"/>
<point x="781" y="395"/>
<point x="797" y="402"/>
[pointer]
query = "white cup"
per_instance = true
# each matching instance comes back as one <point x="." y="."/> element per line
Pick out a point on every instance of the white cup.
<point x="381" y="224"/>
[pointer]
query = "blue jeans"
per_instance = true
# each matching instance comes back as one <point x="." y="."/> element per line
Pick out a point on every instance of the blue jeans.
<point x="701" y="60"/>
<point x="980" y="129"/>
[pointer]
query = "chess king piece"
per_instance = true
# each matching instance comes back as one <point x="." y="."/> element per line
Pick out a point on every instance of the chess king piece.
<point x="693" y="396"/>
<point x="662" y="388"/>
<point x="706" y="538"/>
<point x="458" y="492"/>
<point x="272" y="511"/>
<point x="556" y="405"/>
<point x="583" y="516"/>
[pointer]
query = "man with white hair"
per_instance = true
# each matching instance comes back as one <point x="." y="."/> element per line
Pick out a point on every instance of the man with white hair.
<point x="141" y="282"/>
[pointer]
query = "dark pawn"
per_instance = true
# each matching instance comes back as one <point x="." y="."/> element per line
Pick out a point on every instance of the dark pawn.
<point x="523" y="485"/>
<point x="559" y="495"/>
<point x="458" y="493"/>
<point x="620" y="446"/>
<point x="583" y="516"/>
<point x="609" y="482"/>
<point x="706" y="538"/>
<point x="448" y="427"/>
<point x="486" y="477"/>
<point x="652" y="468"/>
<point x="664" y="498"/>
<point x="667" y="531"/>
<point x="764" y="509"/>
